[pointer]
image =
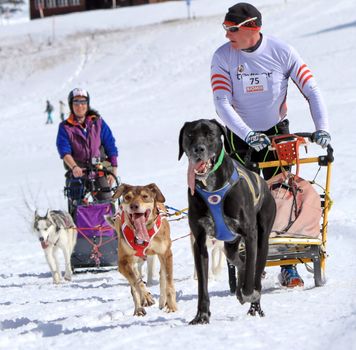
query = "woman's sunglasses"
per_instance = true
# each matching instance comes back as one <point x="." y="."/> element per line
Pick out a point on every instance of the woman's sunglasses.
<point x="80" y="102"/>
<point x="235" y="28"/>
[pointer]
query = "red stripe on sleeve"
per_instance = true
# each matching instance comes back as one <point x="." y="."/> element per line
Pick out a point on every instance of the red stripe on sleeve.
<point x="300" y="69"/>
<point x="219" y="76"/>
<point x="221" y="88"/>
<point x="303" y="75"/>
<point x="220" y="82"/>
<point x="306" y="79"/>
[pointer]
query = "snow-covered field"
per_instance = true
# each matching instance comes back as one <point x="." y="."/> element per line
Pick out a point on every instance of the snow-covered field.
<point x="147" y="69"/>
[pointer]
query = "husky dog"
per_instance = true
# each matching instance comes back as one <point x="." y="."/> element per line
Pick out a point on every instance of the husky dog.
<point x="56" y="230"/>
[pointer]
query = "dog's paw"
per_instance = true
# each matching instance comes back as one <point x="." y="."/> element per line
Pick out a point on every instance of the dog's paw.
<point x="170" y="307"/>
<point x="140" y="311"/>
<point x="68" y="277"/>
<point x="255" y="308"/>
<point x="201" y="318"/>
<point x="56" y="278"/>
<point x="148" y="299"/>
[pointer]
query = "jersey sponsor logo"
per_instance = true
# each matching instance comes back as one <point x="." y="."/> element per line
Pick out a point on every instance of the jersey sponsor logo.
<point x="241" y="75"/>
<point x="258" y="88"/>
<point x="240" y="68"/>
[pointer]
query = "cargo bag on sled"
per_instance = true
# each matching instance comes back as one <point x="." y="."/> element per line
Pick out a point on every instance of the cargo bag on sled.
<point x="298" y="204"/>
<point x="96" y="242"/>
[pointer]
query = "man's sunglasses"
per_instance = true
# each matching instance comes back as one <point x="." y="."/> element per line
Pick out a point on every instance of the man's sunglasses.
<point x="80" y="102"/>
<point x="235" y="28"/>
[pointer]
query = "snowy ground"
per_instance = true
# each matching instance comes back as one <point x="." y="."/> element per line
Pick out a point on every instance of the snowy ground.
<point x="146" y="81"/>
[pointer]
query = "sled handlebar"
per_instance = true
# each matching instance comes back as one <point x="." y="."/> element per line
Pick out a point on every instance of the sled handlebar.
<point x="310" y="137"/>
<point x="307" y="135"/>
<point x="106" y="172"/>
<point x="323" y="160"/>
<point x="93" y="169"/>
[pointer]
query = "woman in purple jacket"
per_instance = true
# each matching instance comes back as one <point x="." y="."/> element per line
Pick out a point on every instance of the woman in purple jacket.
<point x="81" y="136"/>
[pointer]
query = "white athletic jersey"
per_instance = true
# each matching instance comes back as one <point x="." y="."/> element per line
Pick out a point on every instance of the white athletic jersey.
<point x="250" y="88"/>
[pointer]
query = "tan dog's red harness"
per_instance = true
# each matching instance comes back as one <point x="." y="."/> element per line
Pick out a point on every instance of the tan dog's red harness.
<point x="131" y="239"/>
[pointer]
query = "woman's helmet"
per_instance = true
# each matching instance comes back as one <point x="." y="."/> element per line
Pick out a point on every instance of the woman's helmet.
<point x="75" y="93"/>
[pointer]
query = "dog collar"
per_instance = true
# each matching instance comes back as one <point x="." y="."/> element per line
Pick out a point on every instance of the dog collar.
<point x="219" y="162"/>
<point x="130" y="237"/>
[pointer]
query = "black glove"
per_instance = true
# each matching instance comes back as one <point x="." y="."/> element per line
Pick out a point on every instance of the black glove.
<point x="321" y="137"/>
<point x="257" y="140"/>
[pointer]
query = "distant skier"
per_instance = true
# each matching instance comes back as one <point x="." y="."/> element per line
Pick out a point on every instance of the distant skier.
<point x="49" y="110"/>
<point x="61" y="109"/>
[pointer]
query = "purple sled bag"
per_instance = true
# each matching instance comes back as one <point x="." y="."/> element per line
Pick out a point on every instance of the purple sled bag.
<point x="92" y="216"/>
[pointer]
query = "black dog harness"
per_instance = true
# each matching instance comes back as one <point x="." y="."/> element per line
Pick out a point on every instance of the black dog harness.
<point x="215" y="202"/>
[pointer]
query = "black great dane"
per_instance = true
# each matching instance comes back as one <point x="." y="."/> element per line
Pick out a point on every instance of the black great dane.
<point x="229" y="203"/>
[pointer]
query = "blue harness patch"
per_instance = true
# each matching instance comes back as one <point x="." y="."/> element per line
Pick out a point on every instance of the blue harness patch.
<point x="215" y="200"/>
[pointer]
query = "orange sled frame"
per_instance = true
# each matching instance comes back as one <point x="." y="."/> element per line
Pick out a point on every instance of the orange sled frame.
<point x="289" y="250"/>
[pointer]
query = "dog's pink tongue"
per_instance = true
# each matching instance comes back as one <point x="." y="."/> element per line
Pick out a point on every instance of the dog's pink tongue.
<point x="140" y="227"/>
<point x="191" y="174"/>
<point x="44" y="244"/>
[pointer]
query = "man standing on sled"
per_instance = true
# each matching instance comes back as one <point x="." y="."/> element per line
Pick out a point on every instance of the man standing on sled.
<point x="249" y="77"/>
<point x="80" y="139"/>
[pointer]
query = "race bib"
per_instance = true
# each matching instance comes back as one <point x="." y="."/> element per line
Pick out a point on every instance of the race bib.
<point x="255" y="83"/>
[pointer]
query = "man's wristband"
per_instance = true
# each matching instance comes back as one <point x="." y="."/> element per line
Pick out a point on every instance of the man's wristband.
<point x="75" y="166"/>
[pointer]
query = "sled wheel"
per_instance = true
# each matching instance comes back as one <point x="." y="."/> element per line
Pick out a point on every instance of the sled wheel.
<point x="319" y="268"/>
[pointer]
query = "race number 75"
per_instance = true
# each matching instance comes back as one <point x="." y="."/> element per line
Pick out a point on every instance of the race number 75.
<point x="254" y="80"/>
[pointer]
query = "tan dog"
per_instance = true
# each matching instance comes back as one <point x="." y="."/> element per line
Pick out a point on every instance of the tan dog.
<point x="143" y="230"/>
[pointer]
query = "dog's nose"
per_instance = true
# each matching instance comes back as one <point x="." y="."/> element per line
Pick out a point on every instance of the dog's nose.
<point x="199" y="149"/>
<point x="134" y="206"/>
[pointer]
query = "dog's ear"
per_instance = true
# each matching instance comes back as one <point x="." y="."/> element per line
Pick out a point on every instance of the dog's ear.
<point x="159" y="196"/>
<point x="221" y="127"/>
<point x="223" y="130"/>
<point x="35" y="220"/>
<point x="110" y="220"/>
<point x="120" y="190"/>
<point x="181" y="150"/>
<point x="50" y="217"/>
